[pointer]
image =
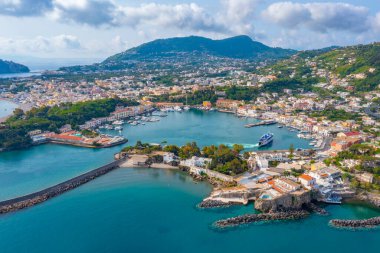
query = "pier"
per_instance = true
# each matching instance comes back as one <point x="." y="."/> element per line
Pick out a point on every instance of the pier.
<point x="35" y="198"/>
<point x="261" y="123"/>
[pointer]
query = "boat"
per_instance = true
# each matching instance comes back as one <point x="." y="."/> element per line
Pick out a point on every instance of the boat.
<point x="333" y="199"/>
<point x="266" y="139"/>
<point x="118" y="128"/>
<point x="280" y="126"/>
<point x="118" y="122"/>
<point x="186" y="108"/>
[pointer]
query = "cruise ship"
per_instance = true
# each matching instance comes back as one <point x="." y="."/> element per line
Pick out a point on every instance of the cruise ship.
<point x="266" y="139"/>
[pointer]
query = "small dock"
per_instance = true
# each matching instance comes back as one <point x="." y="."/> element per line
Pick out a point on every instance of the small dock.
<point x="261" y="123"/>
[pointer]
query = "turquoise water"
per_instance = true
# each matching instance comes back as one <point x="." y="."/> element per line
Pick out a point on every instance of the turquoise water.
<point x="148" y="210"/>
<point x="6" y="108"/>
<point x="29" y="170"/>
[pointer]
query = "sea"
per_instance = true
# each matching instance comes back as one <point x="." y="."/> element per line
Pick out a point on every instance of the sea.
<point x="6" y="108"/>
<point x="152" y="210"/>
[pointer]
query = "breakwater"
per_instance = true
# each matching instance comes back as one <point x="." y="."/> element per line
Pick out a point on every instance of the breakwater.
<point x="32" y="199"/>
<point x="356" y="224"/>
<point x="251" y="218"/>
<point x="209" y="203"/>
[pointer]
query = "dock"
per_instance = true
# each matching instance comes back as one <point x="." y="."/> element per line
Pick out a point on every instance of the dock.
<point x="261" y="123"/>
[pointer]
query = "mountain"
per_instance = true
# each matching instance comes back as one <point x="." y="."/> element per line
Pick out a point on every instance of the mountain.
<point x="240" y="47"/>
<point x="9" y="67"/>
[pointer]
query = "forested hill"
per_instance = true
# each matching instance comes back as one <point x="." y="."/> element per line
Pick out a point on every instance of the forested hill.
<point x="9" y="67"/>
<point x="240" y="47"/>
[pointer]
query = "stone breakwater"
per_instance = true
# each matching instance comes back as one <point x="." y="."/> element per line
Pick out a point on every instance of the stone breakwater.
<point x="356" y="224"/>
<point x="30" y="200"/>
<point x="209" y="203"/>
<point x="252" y="218"/>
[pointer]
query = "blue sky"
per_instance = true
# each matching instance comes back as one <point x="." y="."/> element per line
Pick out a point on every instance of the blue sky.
<point x="99" y="28"/>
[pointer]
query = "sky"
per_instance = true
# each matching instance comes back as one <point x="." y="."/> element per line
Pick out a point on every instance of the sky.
<point x="96" y="29"/>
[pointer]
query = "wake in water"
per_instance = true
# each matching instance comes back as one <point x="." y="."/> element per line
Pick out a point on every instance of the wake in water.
<point x="244" y="145"/>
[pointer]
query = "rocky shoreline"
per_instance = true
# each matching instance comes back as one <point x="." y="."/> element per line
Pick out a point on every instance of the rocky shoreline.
<point x="316" y="209"/>
<point x="30" y="200"/>
<point x="253" y="218"/>
<point x="356" y="224"/>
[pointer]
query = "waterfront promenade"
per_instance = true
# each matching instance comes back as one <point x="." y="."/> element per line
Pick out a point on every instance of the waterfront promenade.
<point x="35" y="198"/>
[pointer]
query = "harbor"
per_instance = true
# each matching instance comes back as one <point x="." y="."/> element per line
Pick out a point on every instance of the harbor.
<point x="127" y="195"/>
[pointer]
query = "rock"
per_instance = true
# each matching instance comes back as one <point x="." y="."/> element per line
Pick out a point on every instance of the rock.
<point x="213" y="204"/>
<point x="291" y="201"/>
<point x="356" y="224"/>
<point x="251" y="218"/>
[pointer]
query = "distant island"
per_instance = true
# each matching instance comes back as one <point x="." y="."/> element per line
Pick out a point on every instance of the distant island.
<point x="10" y="67"/>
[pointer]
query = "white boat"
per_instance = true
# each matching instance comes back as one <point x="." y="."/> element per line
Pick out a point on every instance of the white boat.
<point x="266" y="139"/>
<point x="118" y="122"/>
<point x="118" y="128"/>
<point x="186" y="108"/>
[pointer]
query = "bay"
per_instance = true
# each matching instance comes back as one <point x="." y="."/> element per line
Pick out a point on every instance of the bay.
<point x="30" y="170"/>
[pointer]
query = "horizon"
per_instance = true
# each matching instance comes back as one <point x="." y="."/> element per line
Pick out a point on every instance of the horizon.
<point x="96" y="29"/>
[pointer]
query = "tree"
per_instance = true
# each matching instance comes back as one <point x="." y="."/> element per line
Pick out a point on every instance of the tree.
<point x="172" y="149"/>
<point x="189" y="150"/>
<point x="237" y="148"/>
<point x="291" y="151"/>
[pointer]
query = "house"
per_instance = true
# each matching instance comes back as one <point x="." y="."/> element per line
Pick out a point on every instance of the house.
<point x="307" y="181"/>
<point x="196" y="162"/>
<point x="66" y="128"/>
<point x="286" y="185"/>
<point x="365" y="177"/>
<point x="207" y="104"/>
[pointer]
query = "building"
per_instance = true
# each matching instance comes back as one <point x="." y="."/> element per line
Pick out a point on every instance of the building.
<point x="228" y="104"/>
<point x="307" y="181"/>
<point x="286" y="185"/>
<point x="196" y="162"/>
<point x="207" y="104"/>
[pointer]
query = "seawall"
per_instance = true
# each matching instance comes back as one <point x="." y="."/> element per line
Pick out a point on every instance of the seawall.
<point x="35" y="198"/>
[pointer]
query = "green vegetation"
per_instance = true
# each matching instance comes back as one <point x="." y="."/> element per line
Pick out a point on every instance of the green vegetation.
<point x="336" y="115"/>
<point x="195" y="98"/>
<point x="226" y="160"/>
<point x="367" y="162"/>
<point x="142" y="148"/>
<point x="189" y="150"/>
<point x="14" y="133"/>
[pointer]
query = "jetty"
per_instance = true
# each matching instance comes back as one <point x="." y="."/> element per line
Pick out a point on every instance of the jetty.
<point x="261" y="123"/>
<point x="261" y="217"/>
<point x="356" y="224"/>
<point x="35" y="198"/>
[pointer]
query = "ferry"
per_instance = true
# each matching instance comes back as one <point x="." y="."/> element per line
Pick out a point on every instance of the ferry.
<point x="266" y="139"/>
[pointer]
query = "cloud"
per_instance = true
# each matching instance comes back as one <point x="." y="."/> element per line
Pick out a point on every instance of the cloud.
<point x="89" y="12"/>
<point x="40" y="44"/>
<point x="320" y="17"/>
<point x="180" y="16"/>
<point x="238" y="14"/>
<point x="25" y="7"/>
<point x="234" y="16"/>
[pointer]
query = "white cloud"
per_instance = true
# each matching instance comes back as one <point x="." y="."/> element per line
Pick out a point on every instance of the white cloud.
<point x="25" y="7"/>
<point x="320" y="17"/>
<point x="238" y="15"/>
<point x="39" y="44"/>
